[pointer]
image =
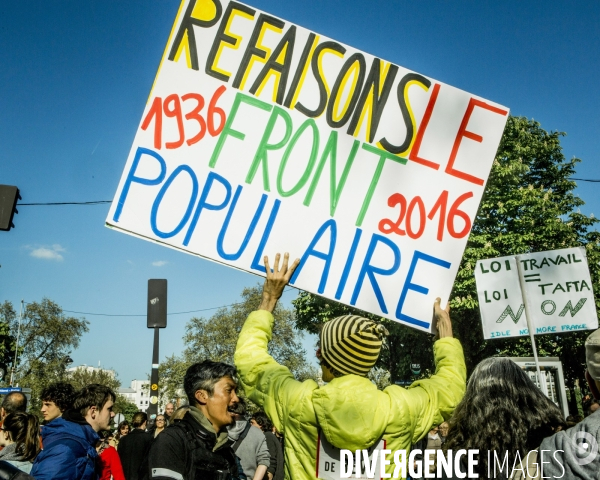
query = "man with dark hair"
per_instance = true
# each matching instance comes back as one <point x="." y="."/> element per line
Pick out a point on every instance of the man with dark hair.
<point x="56" y="398"/>
<point x="13" y="402"/>
<point x="197" y="446"/>
<point x="349" y="412"/>
<point x="133" y="447"/>
<point x="70" y="441"/>
<point x="249" y="444"/>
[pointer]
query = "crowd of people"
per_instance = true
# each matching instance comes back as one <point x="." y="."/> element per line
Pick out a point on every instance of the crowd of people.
<point x="517" y="431"/>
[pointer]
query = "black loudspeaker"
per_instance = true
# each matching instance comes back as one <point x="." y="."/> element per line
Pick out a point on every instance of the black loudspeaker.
<point x="157" y="303"/>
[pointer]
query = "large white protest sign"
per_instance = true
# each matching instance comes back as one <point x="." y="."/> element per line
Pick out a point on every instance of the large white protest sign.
<point x="260" y="136"/>
<point x="557" y="287"/>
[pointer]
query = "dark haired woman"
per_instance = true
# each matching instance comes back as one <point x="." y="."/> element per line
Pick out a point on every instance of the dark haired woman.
<point x="275" y="470"/>
<point x="160" y="424"/>
<point x="505" y="414"/>
<point x="122" y="430"/>
<point x="20" y="437"/>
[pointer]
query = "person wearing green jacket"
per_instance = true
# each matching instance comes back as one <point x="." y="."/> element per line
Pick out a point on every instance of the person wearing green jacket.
<point x="348" y="412"/>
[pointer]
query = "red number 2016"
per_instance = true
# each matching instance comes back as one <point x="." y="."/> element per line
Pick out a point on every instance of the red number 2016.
<point x="171" y="107"/>
<point x="414" y="227"/>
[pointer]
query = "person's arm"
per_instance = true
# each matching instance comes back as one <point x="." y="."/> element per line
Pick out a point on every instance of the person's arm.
<point x="433" y="400"/>
<point x="261" y="471"/>
<point x="265" y="382"/>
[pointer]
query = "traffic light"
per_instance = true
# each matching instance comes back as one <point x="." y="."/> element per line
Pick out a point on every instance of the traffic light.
<point x="157" y="303"/>
<point x="8" y="206"/>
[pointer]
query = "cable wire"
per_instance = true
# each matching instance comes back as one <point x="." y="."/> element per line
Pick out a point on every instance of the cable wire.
<point x="100" y="202"/>
<point x="170" y="313"/>
<point x="93" y="202"/>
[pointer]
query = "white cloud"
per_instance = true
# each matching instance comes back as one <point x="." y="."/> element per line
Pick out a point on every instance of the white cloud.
<point x="48" y="253"/>
<point x="159" y="263"/>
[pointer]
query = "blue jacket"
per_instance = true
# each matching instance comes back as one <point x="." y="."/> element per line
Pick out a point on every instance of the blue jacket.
<point x="68" y="453"/>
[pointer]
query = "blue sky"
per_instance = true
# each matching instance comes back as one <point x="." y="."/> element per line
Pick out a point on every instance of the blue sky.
<point x="74" y="80"/>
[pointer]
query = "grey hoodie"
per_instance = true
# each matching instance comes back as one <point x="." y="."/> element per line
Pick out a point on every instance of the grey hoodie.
<point x="253" y="450"/>
<point x="573" y="453"/>
<point x="9" y="454"/>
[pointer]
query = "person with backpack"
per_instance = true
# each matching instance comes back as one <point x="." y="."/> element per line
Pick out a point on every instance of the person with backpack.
<point x="69" y="442"/>
<point x="197" y="446"/>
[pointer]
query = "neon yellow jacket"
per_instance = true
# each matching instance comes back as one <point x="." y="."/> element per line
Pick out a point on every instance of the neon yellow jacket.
<point x="350" y="411"/>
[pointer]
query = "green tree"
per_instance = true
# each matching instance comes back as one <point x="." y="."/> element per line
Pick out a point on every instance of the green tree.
<point x="528" y="206"/>
<point x="82" y="376"/>
<point x="46" y="338"/>
<point x="215" y="338"/>
<point x="7" y="341"/>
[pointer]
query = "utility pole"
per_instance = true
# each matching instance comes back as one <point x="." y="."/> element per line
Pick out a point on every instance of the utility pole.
<point x="14" y="365"/>
<point x="157" y="319"/>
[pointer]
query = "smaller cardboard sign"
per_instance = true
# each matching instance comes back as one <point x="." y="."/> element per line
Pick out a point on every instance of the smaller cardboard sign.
<point x="328" y="460"/>
<point x="556" y="285"/>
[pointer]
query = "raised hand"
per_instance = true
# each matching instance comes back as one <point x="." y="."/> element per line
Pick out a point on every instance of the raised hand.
<point x="276" y="280"/>
<point x="441" y="317"/>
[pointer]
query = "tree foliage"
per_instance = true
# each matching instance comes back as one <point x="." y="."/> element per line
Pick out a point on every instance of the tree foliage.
<point x="528" y="206"/>
<point x="7" y="340"/>
<point x="81" y="376"/>
<point x="46" y="338"/>
<point x="215" y="338"/>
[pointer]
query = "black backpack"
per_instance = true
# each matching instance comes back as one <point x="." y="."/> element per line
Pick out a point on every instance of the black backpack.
<point x="10" y="472"/>
<point x="201" y="458"/>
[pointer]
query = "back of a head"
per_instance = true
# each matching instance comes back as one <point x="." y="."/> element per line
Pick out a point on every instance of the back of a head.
<point x="263" y="421"/>
<point x="351" y="344"/>
<point x="61" y="393"/>
<point x="24" y="430"/>
<point x="14" y="402"/>
<point x="204" y="376"/>
<point x="94" y="395"/>
<point x="500" y="397"/>
<point x="179" y="413"/>
<point x="138" y="420"/>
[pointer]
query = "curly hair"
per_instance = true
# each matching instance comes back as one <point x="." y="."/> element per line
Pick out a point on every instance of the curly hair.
<point x="61" y="393"/>
<point x="264" y="422"/>
<point x="502" y="410"/>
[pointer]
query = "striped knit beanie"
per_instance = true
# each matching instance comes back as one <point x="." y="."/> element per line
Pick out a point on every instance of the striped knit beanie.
<point x="351" y="344"/>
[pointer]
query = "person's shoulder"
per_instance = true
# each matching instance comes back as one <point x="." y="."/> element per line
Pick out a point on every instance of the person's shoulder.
<point x="255" y="433"/>
<point x="176" y="432"/>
